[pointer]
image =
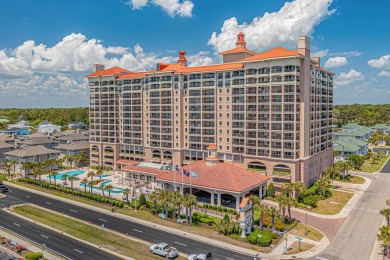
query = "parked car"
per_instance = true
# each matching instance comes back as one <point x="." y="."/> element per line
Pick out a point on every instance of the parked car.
<point x="208" y="256"/>
<point x="3" y="188"/>
<point x="164" y="250"/>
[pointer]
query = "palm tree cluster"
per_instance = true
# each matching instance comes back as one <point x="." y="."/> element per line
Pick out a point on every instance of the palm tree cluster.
<point x="384" y="231"/>
<point x="339" y="169"/>
<point x="165" y="200"/>
<point x="80" y="158"/>
<point x="273" y="213"/>
<point x="8" y="165"/>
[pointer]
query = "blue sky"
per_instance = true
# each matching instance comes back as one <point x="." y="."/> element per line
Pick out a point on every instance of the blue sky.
<point x="47" y="47"/>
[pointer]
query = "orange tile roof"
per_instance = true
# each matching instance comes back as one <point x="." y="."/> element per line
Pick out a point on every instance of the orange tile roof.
<point x="277" y="52"/>
<point x="109" y="72"/>
<point x="244" y="202"/>
<point x="221" y="176"/>
<point x="212" y="146"/>
<point x="225" y="66"/>
<point x="237" y="50"/>
<point x="132" y="75"/>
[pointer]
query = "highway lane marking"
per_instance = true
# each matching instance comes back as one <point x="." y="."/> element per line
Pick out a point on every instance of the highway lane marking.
<point x="27" y="196"/>
<point x="102" y="219"/>
<point x="44" y="236"/>
<point x="78" y="251"/>
<point x="16" y="224"/>
<point x="73" y="210"/>
<point x="229" y="258"/>
<point x="321" y="258"/>
<point x="180" y="244"/>
<point x="136" y="230"/>
<point x="48" y="202"/>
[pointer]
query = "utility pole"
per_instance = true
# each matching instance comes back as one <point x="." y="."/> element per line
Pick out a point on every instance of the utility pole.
<point x="306" y="224"/>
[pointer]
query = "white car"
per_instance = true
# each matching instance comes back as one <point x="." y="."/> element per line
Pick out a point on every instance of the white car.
<point x="164" y="250"/>
<point x="208" y="256"/>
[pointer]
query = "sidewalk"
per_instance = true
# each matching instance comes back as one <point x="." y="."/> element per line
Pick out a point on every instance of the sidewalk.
<point x="168" y="229"/>
<point x="24" y="241"/>
<point x="345" y="210"/>
<point x="319" y="246"/>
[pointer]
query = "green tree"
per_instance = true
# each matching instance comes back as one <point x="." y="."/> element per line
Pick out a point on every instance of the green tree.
<point x="384" y="237"/>
<point x="72" y="179"/>
<point x="323" y="185"/>
<point x="275" y="215"/>
<point x="109" y="188"/>
<point x="271" y="190"/>
<point x="386" y="214"/>
<point x="84" y="182"/>
<point x="126" y="192"/>
<point x="142" y="200"/>
<point x="357" y="160"/>
<point x="282" y="199"/>
<point x="101" y="187"/>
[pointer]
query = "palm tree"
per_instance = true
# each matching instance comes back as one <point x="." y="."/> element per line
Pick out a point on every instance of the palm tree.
<point x="291" y="202"/>
<point x="72" y="179"/>
<point x="177" y="199"/>
<point x="191" y="202"/>
<point x="154" y="197"/>
<point x="288" y="188"/>
<point x="299" y="187"/>
<point x="262" y="209"/>
<point x="323" y="185"/>
<point x="59" y="163"/>
<point x="14" y="163"/>
<point x="81" y="158"/>
<point x="91" y="174"/>
<point x="282" y="200"/>
<point x="100" y="172"/>
<point x="8" y="166"/>
<point x="164" y="197"/>
<point x="332" y="172"/>
<point x="84" y="182"/>
<point x="64" y="177"/>
<point x="386" y="214"/>
<point x="348" y="166"/>
<point x="90" y="184"/>
<point x="274" y="215"/>
<point x="27" y="166"/>
<point x="101" y="187"/>
<point x="384" y="236"/>
<point x="109" y="188"/>
<point x="69" y="158"/>
<point x="126" y="192"/>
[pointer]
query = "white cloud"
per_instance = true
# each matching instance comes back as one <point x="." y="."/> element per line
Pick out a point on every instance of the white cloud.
<point x="335" y="62"/>
<point x="137" y="4"/>
<point x="347" y="53"/>
<point x="54" y="75"/>
<point x="320" y="54"/>
<point x="346" y="78"/>
<point x="283" y="27"/>
<point x="384" y="73"/>
<point x="382" y="62"/>
<point x="172" y="7"/>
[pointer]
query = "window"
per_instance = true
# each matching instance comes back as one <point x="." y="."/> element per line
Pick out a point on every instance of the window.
<point x="220" y="91"/>
<point x="227" y="115"/>
<point x="177" y="130"/>
<point x="220" y="123"/>
<point x="220" y="99"/>
<point x="220" y="106"/>
<point x="220" y="131"/>
<point x="228" y="140"/>
<point x="220" y="114"/>
<point x="227" y="99"/>
<point x="177" y="100"/>
<point x="177" y="137"/>
<point x="177" y="115"/>
<point x="220" y="147"/>
<point x="220" y="139"/>
<point x="227" y="148"/>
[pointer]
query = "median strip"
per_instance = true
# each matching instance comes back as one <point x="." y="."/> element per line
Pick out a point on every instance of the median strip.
<point x="90" y="233"/>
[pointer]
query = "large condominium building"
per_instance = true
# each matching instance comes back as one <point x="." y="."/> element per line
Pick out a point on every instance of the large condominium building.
<point x="269" y="111"/>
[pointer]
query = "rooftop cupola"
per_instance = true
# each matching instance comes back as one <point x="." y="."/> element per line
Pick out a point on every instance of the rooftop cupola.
<point x="212" y="157"/>
<point x="241" y="40"/>
<point x="182" y="58"/>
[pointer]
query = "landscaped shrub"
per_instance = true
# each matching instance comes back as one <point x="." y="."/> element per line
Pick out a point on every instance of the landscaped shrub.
<point x="271" y="190"/>
<point x="264" y="240"/>
<point x="205" y="205"/>
<point x="33" y="256"/>
<point x="215" y="207"/>
<point x="230" y="211"/>
<point x="226" y="218"/>
<point x="142" y="200"/>
<point x="224" y="209"/>
<point x="219" y="208"/>
<point x="252" y="238"/>
<point x="310" y="201"/>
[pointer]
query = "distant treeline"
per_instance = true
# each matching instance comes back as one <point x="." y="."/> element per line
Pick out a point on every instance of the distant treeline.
<point x="363" y="114"/>
<point x="58" y="116"/>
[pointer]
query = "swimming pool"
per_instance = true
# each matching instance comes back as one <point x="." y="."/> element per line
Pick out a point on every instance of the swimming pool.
<point x="71" y="173"/>
<point x="114" y="190"/>
<point x="105" y="175"/>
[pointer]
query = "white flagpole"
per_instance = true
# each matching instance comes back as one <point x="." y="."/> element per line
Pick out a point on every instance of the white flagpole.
<point x="174" y="179"/>
<point x="182" y="182"/>
<point x="190" y="182"/>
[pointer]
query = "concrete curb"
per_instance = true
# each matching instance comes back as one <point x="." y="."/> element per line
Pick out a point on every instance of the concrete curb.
<point x="65" y="234"/>
<point x="250" y="253"/>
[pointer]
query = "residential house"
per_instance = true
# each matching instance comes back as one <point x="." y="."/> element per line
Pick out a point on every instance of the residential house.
<point x="347" y="146"/>
<point x="78" y="125"/>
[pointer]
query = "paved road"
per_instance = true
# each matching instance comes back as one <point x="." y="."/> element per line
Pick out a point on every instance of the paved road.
<point x="386" y="167"/>
<point x="62" y="245"/>
<point x="146" y="233"/>
<point x="5" y="256"/>
<point x="356" y="238"/>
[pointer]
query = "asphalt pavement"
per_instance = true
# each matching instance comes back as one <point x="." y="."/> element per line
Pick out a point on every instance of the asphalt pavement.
<point x="146" y="233"/>
<point x="355" y="239"/>
<point x="60" y="244"/>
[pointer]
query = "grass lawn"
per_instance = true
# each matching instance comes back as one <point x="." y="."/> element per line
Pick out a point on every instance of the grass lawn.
<point x="3" y="177"/>
<point x="294" y="248"/>
<point x="354" y="180"/>
<point x="146" y="215"/>
<point x="82" y="231"/>
<point x="328" y="207"/>
<point x="369" y="167"/>
<point x="312" y="233"/>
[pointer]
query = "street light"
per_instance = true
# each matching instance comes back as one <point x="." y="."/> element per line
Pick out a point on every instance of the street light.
<point x="306" y="224"/>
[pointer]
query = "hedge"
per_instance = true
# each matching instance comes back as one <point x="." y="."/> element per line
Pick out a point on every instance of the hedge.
<point x="94" y="197"/>
<point x="33" y="256"/>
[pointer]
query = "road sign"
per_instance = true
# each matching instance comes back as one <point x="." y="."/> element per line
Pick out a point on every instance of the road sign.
<point x="286" y="229"/>
<point x="298" y="237"/>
